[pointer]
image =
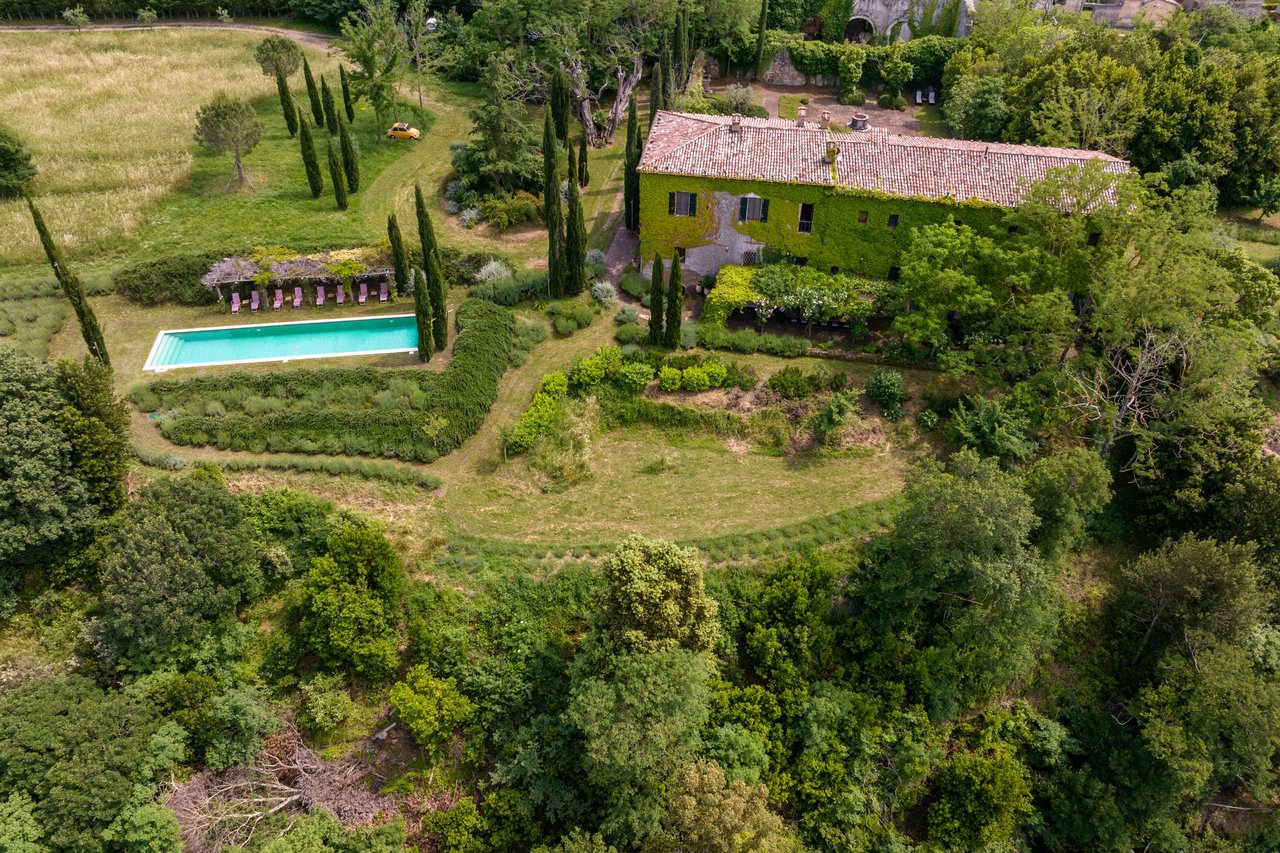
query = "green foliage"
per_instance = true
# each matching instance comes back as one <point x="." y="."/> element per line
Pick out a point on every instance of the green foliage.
<point x="310" y="161"/>
<point x="669" y="379"/>
<point x="431" y="708"/>
<point x="982" y="800"/>
<point x="337" y="178"/>
<point x="349" y="601"/>
<point x="326" y="705"/>
<point x="320" y="831"/>
<point x="791" y="383"/>
<point x="73" y="289"/>
<point x="81" y="757"/>
<point x="16" y="168"/>
<point x="889" y="389"/>
<point x="993" y="429"/>
<point x="167" y="278"/>
<point x="227" y="124"/>
<point x="656" y="303"/>
<point x="447" y="406"/>
<point x="569" y="316"/>
<point x="655" y="598"/>
<point x="541" y="414"/>
<point x="1068" y="490"/>
<point x="748" y="341"/>
<point x="278" y="56"/>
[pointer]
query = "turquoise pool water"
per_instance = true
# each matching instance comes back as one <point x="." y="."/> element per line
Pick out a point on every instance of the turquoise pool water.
<point x="283" y="341"/>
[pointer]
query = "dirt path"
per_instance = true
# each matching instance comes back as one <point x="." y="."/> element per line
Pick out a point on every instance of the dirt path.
<point x="300" y="36"/>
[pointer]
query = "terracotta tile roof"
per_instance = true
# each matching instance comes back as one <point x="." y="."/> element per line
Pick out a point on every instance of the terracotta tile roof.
<point x="778" y="150"/>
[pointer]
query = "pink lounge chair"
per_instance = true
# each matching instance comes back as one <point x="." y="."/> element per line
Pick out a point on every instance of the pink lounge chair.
<point x="275" y="306"/>
<point x="235" y="303"/>
<point x="253" y="301"/>
<point x="364" y="292"/>
<point x="382" y="292"/>
<point x="297" y="297"/>
<point x="341" y="295"/>
<point x="320" y="296"/>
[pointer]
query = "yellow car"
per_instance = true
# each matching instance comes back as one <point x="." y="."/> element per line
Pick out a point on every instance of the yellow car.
<point x="402" y="130"/>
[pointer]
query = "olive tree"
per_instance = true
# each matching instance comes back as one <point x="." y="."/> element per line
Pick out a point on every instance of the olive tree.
<point x="228" y="124"/>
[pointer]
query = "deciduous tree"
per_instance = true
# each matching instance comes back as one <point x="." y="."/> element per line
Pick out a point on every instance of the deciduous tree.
<point x="228" y="124"/>
<point x="655" y="598"/>
<point x="431" y="708"/>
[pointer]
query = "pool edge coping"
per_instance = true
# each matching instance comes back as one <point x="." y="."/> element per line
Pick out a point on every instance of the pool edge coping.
<point x="148" y="367"/>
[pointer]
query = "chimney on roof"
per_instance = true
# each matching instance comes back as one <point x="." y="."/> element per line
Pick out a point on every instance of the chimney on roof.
<point x="802" y="112"/>
<point x="735" y="123"/>
<point x="859" y="122"/>
<point x="826" y="119"/>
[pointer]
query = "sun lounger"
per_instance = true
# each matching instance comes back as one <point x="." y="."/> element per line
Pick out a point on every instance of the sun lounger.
<point x="297" y="297"/>
<point x="341" y="295"/>
<point x="275" y="306"/>
<point x="320" y="296"/>
<point x="253" y="301"/>
<point x="933" y="97"/>
<point x="919" y="96"/>
<point x="235" y="303"/>
<point x="364" y="292"/>
<point x="382" y="292"/>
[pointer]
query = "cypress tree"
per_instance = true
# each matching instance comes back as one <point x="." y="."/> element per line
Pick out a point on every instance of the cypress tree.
<point x="346" y="93"/>
<point x="764" y="23"/>
<point x="424" y="315"/>
<point x="655" y="93"/>
<point x="336" y="176"/>
<point x="655" y="301"/>
<point x="680" y="58"/>
<point x="350" y="156"/>
<point x="551" y="209"/>
<point x="73" y="289"/>
<point x="584" y="177"/>
<point x="631" y="177"/>
<point x="399" y="263"/>
<point x="668" y="75"/>
<point x="309" y="159"/>
<point x="287" y="106"/>
<point x="317" y="107"/>
<point x="675" y="303"/>
<point x="330" y="112"/>
<point x="437" y="288"/>
<point x="575" y="237"/>
<point x="559" y="105"/>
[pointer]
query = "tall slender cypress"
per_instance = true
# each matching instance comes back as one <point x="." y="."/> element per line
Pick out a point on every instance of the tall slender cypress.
<point x="675" y="304"/>
<point x="399" y="263"/>
<point x="559" y="105"/>
<point x="350" y="156"/>
<point x="655" y="301"/>
<point x="73" y="289"/>
<point x="631" y="177"/>
<point x="309" y="159"/>
<point x="335" y="174"/>
<point x="287" y="106"/>
<point x="761" y="27"/>
<point x="424" y="314"/>
<point x="317" y="107"/>
<point x="584" y="177"/>
<point x="680" y="58"/>
<point x="437" y="287"/>
<point x="575" y="236"/>
<point x="668" y="75"/>
<point x="551" y="210"/>
<point x="346" y="93"/>
<point x="655" y="93"/>
<point x="326" y="102"/>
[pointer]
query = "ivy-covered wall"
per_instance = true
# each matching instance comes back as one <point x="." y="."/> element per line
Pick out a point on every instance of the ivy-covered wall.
<point x="838" y="239"/>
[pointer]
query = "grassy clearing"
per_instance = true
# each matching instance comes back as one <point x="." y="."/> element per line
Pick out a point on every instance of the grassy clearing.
<point x="929" y="119"/>
<point x="109" y="117"/>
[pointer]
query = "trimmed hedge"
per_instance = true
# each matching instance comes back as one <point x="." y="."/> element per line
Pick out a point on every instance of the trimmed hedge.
<point x="168" y="278"/>
<point x="407" y="414"/>
<point x="333" y="466"/>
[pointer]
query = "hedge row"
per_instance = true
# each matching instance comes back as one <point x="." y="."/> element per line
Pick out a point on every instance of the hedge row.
<point x="335" y="467"/>
<point x="407" y="414"/>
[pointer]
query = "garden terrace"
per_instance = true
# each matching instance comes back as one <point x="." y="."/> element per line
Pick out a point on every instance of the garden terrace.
<point x="415" y="415"/>
<point x="278" y="267"/>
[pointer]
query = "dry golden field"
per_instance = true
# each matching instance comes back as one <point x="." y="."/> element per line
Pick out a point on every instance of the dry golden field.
<point x="108" y="116"/>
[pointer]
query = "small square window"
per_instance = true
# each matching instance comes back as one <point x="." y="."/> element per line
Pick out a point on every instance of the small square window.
<point x="1094" y="237"/>
<point x="895" y="273"/>
<point x="893" y="220"/>
<point x="862" y="217"/>
<point x="806" y="218"/>
<point x="750" y="259"/>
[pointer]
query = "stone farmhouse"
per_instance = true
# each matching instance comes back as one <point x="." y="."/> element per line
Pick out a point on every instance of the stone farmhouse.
<point x="731" y="190"/>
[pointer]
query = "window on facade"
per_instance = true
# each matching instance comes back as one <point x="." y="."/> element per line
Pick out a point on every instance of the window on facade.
<point x="682" y="204"/>
<point x="862" y="217"/>
<point x="835" y="270"/>
<point x="752" y="209"/>
<point x="802" y="262"/>
<point x="750" y="259"/>
<point x="893" y="220"/>
<point x="682" y="252"/>
<point x="806" y="218"/>
<point x="1094" y="237"/>
<point x="894" y="273"/>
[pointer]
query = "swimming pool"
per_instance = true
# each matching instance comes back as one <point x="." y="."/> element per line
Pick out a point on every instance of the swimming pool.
<point x="216" y="345"/>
